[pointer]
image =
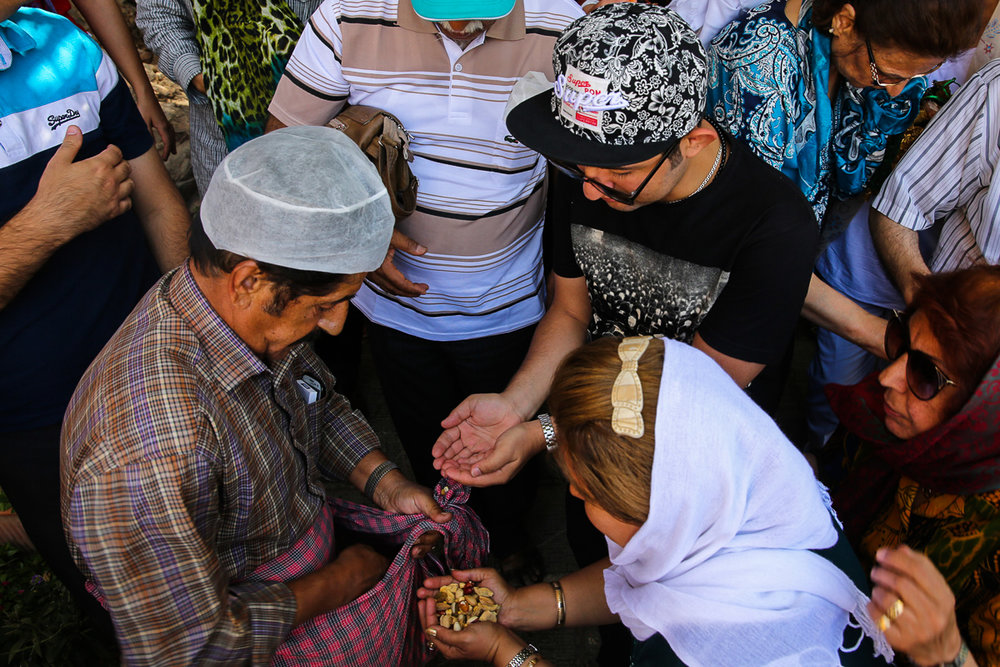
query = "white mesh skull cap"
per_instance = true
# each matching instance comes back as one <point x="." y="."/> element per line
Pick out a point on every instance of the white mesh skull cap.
<point x="301" y="198"/>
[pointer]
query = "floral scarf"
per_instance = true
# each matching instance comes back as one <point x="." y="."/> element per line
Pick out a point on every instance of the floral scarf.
<point x="960" y="456"/>
<point x="830" y="146"/>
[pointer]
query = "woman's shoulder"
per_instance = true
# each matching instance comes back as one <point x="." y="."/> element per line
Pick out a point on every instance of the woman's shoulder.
<point x="763" y="27"/>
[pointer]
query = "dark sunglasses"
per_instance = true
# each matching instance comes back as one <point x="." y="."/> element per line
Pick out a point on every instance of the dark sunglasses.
<point x="877" y="81"/>
<point x="923" y="377"/>
<point x="573" y="171"/>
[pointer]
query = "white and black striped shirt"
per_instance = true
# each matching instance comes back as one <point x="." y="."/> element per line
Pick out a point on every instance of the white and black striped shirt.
<point x="948" y="176"/>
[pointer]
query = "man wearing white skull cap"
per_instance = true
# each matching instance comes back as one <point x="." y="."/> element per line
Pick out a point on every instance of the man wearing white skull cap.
<point x="196" y="445"/>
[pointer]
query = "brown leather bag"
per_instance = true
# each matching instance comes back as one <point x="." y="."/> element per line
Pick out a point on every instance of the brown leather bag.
<point x="383" y="139"/>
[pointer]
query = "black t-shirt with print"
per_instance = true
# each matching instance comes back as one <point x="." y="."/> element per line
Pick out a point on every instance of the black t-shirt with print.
<point x="731" y="262"/>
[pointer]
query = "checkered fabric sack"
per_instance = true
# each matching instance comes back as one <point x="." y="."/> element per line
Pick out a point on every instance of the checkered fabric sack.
<point x="381" y="627"/>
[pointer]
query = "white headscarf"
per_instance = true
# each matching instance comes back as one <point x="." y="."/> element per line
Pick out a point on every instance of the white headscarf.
<point x="722" y="567"/>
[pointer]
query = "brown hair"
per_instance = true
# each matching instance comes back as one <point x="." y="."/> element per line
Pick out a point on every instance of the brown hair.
<point x="610" y="470"/>
<point x="963" y="311"/>
<point x="932" y="28"/>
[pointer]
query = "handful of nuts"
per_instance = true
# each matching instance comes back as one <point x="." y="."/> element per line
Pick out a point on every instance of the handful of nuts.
<point x="461" y="605"/>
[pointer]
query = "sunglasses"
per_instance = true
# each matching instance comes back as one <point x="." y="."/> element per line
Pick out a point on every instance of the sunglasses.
<point x="627" y="198"/>
<point x="923" y="377"/>
<point x="880" y="79"/>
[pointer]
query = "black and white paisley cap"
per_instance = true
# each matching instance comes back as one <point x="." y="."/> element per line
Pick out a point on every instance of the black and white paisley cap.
<point x="631" y="81"/>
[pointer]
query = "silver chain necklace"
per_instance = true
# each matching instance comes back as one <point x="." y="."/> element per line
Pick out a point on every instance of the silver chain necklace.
<point x="715" y="166"/>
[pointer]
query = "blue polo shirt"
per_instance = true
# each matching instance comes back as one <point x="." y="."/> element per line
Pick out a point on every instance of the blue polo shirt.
<point x="52" y="75"/>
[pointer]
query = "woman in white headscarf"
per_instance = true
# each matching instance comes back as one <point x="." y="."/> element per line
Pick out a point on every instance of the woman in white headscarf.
<point x="722" y="546"/>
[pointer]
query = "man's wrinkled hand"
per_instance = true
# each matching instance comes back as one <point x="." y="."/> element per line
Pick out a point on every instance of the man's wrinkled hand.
<point x="84" y="194"/>
<point x="388" y="278"/>
<point x="397" y="494"/>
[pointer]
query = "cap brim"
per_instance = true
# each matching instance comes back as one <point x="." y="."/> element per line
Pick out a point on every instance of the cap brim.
<point x="462" y="10"/>
<point x="534" y="125"/>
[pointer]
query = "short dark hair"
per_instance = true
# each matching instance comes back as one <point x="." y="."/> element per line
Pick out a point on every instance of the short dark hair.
<point x="963" y="311"/>
<point x="289" y="284"/>
<point x="932" y="28"/>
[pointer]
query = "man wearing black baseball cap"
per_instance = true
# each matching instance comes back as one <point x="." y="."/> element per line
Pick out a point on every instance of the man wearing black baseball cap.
<point x="662" y="223"/>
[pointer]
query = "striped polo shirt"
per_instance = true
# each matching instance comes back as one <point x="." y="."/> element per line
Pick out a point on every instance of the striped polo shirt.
<point x="480" y="202"/>
<point x="948" y="175"/>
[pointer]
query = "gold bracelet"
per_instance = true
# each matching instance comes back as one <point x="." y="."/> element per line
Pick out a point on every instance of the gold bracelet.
<point x="560" y="603"/>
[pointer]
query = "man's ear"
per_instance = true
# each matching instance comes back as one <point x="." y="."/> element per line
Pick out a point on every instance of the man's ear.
<point x="697" y="139"/>
<point x="246" y="282"/>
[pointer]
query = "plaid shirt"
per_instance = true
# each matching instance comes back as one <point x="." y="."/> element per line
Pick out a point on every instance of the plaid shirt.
<point x="186" y="464"/>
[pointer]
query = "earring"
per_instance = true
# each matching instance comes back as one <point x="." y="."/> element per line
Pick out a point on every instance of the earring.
<point x="832" y="31"/>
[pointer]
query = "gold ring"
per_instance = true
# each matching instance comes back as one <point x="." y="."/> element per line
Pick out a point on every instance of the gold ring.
<point x="432" y="632"/>
<point x="895" y="610"/>
<point x="884" y="623"/>
<point x="431" y="647"/>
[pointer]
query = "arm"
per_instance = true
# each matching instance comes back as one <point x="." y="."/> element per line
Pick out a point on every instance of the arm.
<point x="107" y="23"/>
<point x="313" y="89"/>
<point x="482" y="443"/>
<point x="72" y="198"/>
<point x="349" y="449"/>
<point x="559" y="332"/>
<point x="168" y="29"/>
<point x="828" y="308"/>
<point x="742" y="372"/>
<point x="899" y="250"/>
<point x="161" y="210"/>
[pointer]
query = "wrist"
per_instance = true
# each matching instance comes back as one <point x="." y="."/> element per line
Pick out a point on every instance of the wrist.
<point x="520" y="403"/>
<point x="957" y="650"/>
<point x="382" y="483"/>
<point x="548" y="431"/>
<point x="522" y="657"/>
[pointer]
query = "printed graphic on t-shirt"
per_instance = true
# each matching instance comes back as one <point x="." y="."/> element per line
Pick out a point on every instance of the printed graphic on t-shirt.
<point x="637" y="291"/>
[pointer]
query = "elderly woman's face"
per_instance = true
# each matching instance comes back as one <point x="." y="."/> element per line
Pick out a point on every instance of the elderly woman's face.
<point x="868" y="65"/>
<point x="907" y="416"/>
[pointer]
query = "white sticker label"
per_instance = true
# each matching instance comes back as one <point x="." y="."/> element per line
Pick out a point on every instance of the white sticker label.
<point x="583" y="99"/>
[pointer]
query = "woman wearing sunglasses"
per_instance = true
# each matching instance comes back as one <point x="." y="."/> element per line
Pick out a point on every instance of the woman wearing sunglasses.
<point x="722" y="550"/>
<point x="927" y="472"/>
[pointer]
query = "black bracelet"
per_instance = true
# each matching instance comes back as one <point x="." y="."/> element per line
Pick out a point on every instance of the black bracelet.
<point x="381" y="470"/>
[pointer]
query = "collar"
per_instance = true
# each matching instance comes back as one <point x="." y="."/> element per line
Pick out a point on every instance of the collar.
<point x="14" y="38"/>
<point x="509" y="28"/>
<point x="231" y="360"/>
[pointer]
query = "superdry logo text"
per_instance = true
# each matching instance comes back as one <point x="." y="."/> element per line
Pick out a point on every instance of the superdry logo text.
<point x="55" y="121"/>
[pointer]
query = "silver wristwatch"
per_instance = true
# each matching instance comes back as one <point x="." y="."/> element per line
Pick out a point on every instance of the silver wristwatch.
<point x="524" y="653"/>
<point x="548" y="430"/>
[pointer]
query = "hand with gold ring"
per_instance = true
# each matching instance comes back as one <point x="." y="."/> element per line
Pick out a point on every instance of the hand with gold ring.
<point x="431" y="646"/>
<point x="914" y="606"/>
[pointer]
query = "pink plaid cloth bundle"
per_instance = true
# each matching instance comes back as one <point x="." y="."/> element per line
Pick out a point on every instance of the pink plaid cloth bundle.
<point x="381" y="627"/>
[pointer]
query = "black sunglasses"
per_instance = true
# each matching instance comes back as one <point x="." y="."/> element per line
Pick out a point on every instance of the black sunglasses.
<point x="923" y="377"/>
<point x="573" y="171"/>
